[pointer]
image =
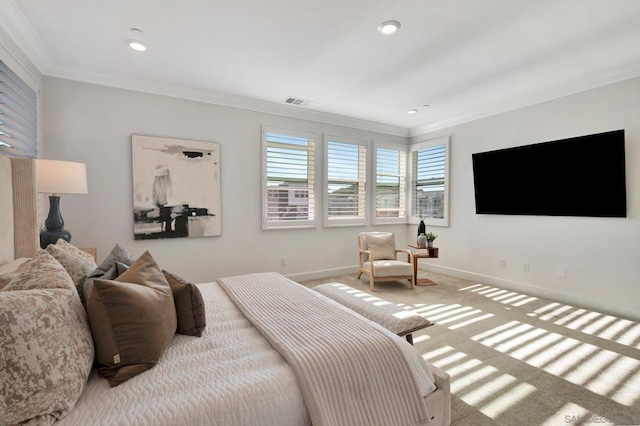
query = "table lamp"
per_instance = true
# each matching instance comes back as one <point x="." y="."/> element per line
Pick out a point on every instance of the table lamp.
<point x="58" y="177"/>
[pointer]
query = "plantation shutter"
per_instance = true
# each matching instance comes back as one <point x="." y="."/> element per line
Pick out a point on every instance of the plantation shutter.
<point x="346" y="181"/>
<point x="428" y="182"/>
<point x="18" y="116"/>
<point x="390" y="183"/>
<point x="290" y="182"/>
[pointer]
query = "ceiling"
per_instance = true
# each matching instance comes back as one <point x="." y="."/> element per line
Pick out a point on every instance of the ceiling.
<point x="464" y="59"/>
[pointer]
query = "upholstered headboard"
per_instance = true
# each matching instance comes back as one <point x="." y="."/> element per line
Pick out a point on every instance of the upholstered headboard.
<point x="6" y="211"/>
<point x="18" y="209"/>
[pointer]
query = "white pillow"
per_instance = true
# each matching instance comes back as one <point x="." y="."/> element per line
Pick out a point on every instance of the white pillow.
<point x="382" y="246"/>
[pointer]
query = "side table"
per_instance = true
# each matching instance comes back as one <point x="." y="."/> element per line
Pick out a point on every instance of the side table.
<point x="431" y="252"/>
<point x="91" y="251"/>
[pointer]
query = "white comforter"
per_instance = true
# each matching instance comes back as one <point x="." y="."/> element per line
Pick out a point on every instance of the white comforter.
<point x="229" y="376"/>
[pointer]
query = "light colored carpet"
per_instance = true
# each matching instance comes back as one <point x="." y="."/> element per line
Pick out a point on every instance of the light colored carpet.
<point x="515" y="359"/>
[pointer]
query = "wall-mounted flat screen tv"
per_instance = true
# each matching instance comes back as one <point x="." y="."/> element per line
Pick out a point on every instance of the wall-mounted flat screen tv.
<point x="581" y="176"/>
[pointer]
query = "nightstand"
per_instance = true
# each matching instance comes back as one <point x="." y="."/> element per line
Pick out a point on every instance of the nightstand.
<point x="92" y="251"/>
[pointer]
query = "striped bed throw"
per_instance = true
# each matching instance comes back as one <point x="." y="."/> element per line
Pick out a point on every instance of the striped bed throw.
<point x="349" y="372"/>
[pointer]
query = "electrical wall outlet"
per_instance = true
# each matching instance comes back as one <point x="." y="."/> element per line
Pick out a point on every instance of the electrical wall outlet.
<point x="561" y="272"/>
<point x="503" y="263"/>
<point x="525" y="267"/>
<point x="283" y="261"/>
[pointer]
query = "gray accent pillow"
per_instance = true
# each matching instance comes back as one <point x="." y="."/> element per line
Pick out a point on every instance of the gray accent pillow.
<point x="114" y="272"/>
<point x="118" y="254"/>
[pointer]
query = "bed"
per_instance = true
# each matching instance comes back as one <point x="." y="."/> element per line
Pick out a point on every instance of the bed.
<point x="240" y="372"/>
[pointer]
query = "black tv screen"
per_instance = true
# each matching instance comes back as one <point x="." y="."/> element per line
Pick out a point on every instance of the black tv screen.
<point x="581" y="176"/>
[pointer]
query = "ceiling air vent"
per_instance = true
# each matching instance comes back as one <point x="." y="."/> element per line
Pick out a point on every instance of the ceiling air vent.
<point x="296" y="101"/>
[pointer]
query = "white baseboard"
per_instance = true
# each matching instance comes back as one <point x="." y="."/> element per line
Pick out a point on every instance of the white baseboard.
<point x="324" y="273"/>
<point x="624" y="311"/>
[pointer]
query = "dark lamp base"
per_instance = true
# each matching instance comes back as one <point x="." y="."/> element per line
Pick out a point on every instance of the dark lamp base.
<point x="51" y="237"/>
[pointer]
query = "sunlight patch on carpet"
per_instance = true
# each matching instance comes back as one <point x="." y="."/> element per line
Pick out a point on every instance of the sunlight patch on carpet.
<point x="482" y="386"/>
<point x="601" y="371"/>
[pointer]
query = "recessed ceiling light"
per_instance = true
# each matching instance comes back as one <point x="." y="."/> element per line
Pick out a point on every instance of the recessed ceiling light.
<point x="388" y="27"/>
<point x="137" y="45"/>
<point x="412" y="111"/>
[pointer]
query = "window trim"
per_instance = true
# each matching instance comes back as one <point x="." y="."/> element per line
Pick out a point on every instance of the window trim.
<point x="350" y="221"/>
<point x="297" y="224"/>
<point x="374" y="166"/>
<point x="413" y="219"/>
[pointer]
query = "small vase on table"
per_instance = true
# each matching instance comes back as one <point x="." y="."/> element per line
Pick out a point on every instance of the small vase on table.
<point x="422" y="240"/>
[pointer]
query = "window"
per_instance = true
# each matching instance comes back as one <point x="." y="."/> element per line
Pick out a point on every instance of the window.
<point x="288" y="178"/>
<point x="345" y="190"/>
<point x="18" y="112"/>
<point x="430" y="182"/>
<point x="390" y="189"/>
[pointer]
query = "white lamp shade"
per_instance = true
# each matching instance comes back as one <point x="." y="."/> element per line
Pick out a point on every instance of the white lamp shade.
<point x="61" y="177"/>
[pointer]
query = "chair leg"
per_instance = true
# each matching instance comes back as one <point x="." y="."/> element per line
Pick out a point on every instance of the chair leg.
<point x="359" y="275"/>
<point x="371" y="283"/>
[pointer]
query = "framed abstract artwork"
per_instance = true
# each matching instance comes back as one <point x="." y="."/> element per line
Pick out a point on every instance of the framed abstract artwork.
<point x="176" y="188"/>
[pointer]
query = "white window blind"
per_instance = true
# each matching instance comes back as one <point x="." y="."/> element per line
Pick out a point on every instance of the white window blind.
<point x="390" y="183"/>
<point x="346" y="194"/>
<point x="289" y="177"/>
<point x="429" y="181"/>
<point x="18" y="116"/>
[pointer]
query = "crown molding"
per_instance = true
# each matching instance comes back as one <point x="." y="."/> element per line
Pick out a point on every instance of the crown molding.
<point x="78" y="73"/>
<point x="16" y="25"/>
<point x="514" y="104"/>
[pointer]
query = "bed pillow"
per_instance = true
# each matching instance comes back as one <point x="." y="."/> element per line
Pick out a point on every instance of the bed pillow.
<point x="47" y="350"/>
<point x="190" y="312"/>
<point x="14" y="266"/>
<point x="6" y="278"/>
<point x="133" y="320"/>
<point x="382" y="247"/>
<point x="117" y="254"/>
<point x="78" y="264"/>
<point x="116" y="269"/>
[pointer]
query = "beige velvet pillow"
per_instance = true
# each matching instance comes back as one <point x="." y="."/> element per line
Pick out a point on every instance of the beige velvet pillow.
<point x="133" y="320"/>
<point x="382" y="246"/>
<point x="46" y="347"/>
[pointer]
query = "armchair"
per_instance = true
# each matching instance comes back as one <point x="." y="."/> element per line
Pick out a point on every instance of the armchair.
<point x="378" y="258"/>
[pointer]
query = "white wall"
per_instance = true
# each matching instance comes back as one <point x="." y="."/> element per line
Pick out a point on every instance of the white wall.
<point x="601" y="255"/>
<point x="93" y="124"/>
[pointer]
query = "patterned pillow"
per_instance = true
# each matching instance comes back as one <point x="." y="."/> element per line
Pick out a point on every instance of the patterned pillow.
<point x="6" y="278"/>
<point x="190" y="311"/>
<point x="47" y="349"/>
<point x="77" y="263"/>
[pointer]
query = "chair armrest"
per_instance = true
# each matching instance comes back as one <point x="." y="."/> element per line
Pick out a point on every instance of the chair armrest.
<point x="409" y="254"/>
<point x="361" y="253"/>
